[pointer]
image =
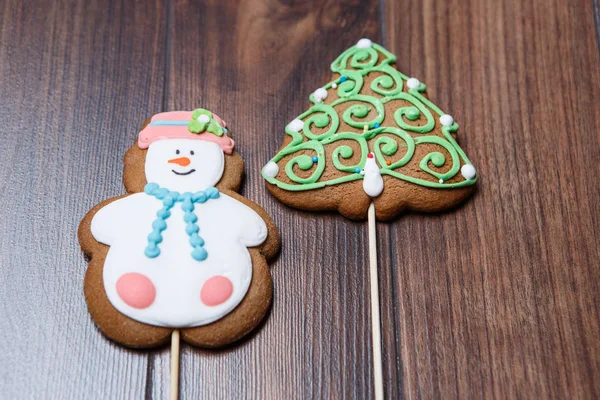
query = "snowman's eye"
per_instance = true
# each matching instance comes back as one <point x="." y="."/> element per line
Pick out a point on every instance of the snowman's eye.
<point x="176" y="151"/>
<point x="191" y="152"/>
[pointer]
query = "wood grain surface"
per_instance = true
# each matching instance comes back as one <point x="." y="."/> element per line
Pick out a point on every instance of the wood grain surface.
<point x="499" y="298"/>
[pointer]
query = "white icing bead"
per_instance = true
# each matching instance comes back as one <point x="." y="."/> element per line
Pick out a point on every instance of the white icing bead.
<point x="413" y="83"/>
<point x="364" y="43"/>
<point x="296" y="125"/>
<point x="441" y="181"/>
<point x="203" y="118"/>
<point x="334" y="85"/>
<point x="446" y="120"/>
<point x="468" y="171"/>
<point x="271" y="169"/>
<point x="320" y="94"/>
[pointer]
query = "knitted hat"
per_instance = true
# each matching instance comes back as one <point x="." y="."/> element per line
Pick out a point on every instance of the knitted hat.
<point x="199" y="124"/>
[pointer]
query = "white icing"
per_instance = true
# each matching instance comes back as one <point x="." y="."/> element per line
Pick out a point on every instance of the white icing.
<point x="372" y="182"/>
<point x="271" y="169"/>
<point x="413" y="83"/>
<point x="446" y="120"/>
<point x="441" y="181"/>
<point x="227" y="226"/>
<point x="320" y="94"/>
<point x="468" y="171"/>
<point x="296" y="125"/>
<point x="207" y="161"/>
<point x="364" y="43"/>
<point x="203" y="118"/>
<point x="334" y="85"/>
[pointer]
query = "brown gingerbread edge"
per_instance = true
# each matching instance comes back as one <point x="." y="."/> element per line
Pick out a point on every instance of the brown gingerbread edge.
<point x="352" y="202"/>
<point x="128" y="332"/>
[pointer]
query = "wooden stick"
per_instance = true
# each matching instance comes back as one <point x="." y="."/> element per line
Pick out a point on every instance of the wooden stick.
<point x="175" y="365"/>
<point x="375" y="318"/>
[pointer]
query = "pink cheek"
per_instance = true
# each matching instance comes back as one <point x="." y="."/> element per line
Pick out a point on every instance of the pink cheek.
<point x="136" y="290"/>
<point x="216" y="290"/>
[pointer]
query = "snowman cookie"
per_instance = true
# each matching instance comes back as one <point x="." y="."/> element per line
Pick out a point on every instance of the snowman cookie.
<point x="182" y="250"/>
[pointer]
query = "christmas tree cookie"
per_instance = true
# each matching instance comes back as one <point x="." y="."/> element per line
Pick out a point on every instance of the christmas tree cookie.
<point x="182" y="250"/>
<point x="370" y="135"/>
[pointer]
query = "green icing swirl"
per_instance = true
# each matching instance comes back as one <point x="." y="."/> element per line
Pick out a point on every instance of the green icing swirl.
<point x="364" y="109"/>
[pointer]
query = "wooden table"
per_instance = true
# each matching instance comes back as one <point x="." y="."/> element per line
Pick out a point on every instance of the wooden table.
<point x="497" y="299"/>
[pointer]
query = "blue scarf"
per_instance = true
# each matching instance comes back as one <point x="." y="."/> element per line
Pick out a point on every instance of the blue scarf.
<point x="187" y="201"/>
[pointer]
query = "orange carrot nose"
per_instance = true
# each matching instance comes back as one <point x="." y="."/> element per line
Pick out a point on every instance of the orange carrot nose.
<point x="183" y="161"/>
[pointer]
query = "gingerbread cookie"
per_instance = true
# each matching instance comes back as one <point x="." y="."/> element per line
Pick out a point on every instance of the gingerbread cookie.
<point x="370" y="135"/>
<point x="182" y="250"/>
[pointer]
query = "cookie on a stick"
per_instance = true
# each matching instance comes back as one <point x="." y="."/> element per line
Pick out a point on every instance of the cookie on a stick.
<point x="373" y="145"/>
<point x="181" y="252"/>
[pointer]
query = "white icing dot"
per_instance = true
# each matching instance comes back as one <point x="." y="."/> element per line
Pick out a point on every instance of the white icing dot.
<point x="320" y="94"/>
<point x="364" y="43"/>
<point x="413" y="83"/>
<point x="468" y="171"/>
<point x="203" y="118"/>
<point x="271" y="169"/>
<point x="296" y="125"/>
<point x="446" y="120"/>
<point x="441" y="181"/>
<point x="334" y="85"/>
<point x="362" y="171"/>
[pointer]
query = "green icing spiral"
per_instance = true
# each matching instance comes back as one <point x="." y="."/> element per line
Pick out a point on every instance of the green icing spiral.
<point x="364" y="110"/>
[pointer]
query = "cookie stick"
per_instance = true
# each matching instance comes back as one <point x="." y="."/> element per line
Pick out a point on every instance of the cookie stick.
<point x="375" y="313"/>
<point x="174" y="391"/>
<point x="182" y="254"/>
<point x="371" y="145"/>
<point x="373" y="186"/>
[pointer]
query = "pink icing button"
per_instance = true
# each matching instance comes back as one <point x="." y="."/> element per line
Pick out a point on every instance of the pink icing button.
<point x="216" y="290"/>
<point x="136" y="290"/>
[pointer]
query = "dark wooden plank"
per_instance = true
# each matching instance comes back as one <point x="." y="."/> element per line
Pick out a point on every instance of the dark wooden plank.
<point x="77" y="78"/>
<point x="255" y="63"/>
<point x="596" y="6"/>
<point x="500" y="298"/>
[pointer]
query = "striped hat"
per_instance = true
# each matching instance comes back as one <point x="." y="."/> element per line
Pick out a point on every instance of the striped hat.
<point x="199" y="124"/>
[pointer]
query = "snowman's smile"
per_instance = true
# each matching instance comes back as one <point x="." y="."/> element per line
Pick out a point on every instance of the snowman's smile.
<point x="183" y="173"/>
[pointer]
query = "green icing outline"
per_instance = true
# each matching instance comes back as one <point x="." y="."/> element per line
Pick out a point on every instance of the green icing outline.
<point x="354" y="64"/>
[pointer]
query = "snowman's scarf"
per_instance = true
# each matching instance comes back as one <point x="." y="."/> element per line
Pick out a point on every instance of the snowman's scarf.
<point x="187" y="201"/>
